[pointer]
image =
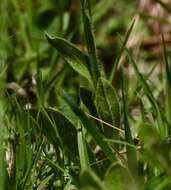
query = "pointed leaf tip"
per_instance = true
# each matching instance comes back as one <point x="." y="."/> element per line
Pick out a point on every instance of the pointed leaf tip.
<point x="73" y="56"/>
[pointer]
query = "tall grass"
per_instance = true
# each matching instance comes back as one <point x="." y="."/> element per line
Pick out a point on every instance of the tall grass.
<point x="68" y="122"/>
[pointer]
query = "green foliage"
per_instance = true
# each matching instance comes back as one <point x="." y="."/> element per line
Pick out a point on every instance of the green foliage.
<point x="168" y="84"/>
<point x="131" y="152"/>
<point x="63" y="123"/>
<point x="117" y="177"/>
<point x="90" y="43"/>
<point x="107" y="106"/>
<point x="76" y="59"/>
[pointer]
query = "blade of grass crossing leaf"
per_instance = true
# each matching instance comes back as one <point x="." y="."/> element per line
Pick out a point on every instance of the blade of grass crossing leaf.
<point x="168" y="84"/>
<point x="45" y="181"/>
<point x="84" y="160"/>
<point x="35" y="158"/>
<point x="131" y="152"/>
<point x="112" y="74"/>
<point x="60" y="131"/>
<point x="90" y="43"/>
<point x="160" y="125"/>
<point x="121" y="142"/>
<point x="91" y="128"/>
<point x="56" y="167"/>
<point x="48" y="128"/>
<point x="107" y="106"/>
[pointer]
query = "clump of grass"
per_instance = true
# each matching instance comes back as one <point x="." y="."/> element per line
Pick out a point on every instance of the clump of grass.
<point x="64" y="125"/>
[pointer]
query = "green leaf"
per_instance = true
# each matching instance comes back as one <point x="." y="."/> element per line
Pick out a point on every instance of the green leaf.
<point x="83" y="154"/>
<point x="3" y="173"/>
<point x="47" y="127"/>
<point x="58" y="130"/>
<point x="131" y="152"/>
<point x="128" y="33"/>
<point x="118" y="177"/>
<point x="86" y="97"/>
<point x="90" y="180"/>
<point x="90" y="43"/>
<point x="75" y="58"/>
<point x="66" y="110"/>
<point x="155" y="150"/>
<point x="160" y="124"/>
<point x="107" y="105"/>
<point x="168" y="84"/>
<point x="92" y="129"/>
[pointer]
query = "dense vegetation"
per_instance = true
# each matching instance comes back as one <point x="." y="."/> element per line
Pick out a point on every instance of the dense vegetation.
<point x="85" y="95"/>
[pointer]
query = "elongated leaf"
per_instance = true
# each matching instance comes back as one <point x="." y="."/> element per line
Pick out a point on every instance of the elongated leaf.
<point x="112" y="74"/>
<point x="58" y="130"/>
<point x="2" y="167"/>
<point x="66" y="130"/>
<point x="90" y="180"/>
<point x="86" y="97"/>
<point x="121" y="143"/>
<point x="83" y="154"/>
<point x="66" y="110"/>
<point x="118" y="178"/>
<point x="90" y="43"/>
<point x="160" y="125"/>
<point x="107" y="106"/>
<point x="20" y="153"/>
<point x="91" y="128"/>
<point x="131" y="152"/>
<point x="47" y="127"/>
<point x="168" y="84"/>
<point x="75" y="58"/>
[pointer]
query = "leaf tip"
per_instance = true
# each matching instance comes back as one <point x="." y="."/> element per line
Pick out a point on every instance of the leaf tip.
<point x="48" y="37"/>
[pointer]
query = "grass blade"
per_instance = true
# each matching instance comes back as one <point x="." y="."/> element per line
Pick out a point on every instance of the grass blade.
<point x="86" y="97"/>
<point x="160" y="125"/>
<point x="59" y="130"/>
<point x="94" y="65"/>
<point x="83" y="154"/>
<point x="2" y="166"/>
<point x="168" y="83"/>
<point x="128" y="33"/>
<point x="131" y="152"/>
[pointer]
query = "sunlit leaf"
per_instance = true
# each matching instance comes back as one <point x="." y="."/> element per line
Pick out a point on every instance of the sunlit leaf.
<point x="75" y="58"/>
